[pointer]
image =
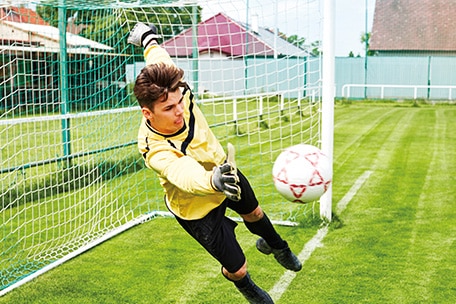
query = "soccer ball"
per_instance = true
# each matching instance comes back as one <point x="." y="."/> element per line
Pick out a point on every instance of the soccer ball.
<point x="302" y="173"/>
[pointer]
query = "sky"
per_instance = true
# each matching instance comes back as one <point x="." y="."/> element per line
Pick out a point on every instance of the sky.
<point x="350" y="16"/>
<point x="296" y="17"/>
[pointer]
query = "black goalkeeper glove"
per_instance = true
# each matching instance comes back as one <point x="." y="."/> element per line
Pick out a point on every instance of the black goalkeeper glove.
<point x="225" y="178"/>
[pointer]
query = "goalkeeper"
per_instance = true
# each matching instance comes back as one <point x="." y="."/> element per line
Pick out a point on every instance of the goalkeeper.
<point x="200" y="181"/>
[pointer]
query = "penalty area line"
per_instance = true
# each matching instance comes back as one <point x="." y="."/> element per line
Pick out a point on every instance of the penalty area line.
<point x="282" y="284"/>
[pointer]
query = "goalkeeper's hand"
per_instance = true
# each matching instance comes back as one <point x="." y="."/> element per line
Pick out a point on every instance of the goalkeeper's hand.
<point x="143" y="35"/>
<point x="225" y="178"/>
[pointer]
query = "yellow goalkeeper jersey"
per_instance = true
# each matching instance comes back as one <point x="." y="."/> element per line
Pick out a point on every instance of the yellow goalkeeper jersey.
<point x="183" y="161"/>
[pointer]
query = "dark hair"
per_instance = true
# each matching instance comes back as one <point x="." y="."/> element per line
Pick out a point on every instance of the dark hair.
<point x="155" y="81"/>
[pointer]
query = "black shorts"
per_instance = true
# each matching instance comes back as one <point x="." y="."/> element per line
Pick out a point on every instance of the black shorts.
<point x="215" y="231"/>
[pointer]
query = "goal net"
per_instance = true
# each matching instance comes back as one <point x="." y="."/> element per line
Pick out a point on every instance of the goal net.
<point x="70" y="172"/>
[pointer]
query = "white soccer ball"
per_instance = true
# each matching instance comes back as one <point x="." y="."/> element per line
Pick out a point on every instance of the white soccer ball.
<point x="302" y="173"/>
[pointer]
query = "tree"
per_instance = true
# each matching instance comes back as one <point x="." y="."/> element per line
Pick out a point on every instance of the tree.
<point x="297" y="41"/>
<point x="315" y="48"/>
<point x="365" y="39"/>
<point x="106" y="25"/>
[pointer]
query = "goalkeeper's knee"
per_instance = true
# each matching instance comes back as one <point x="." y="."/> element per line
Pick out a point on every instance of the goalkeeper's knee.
<point x="235" y="276"/>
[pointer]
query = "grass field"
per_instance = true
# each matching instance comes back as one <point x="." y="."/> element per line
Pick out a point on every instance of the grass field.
<point x="393" y="242"/>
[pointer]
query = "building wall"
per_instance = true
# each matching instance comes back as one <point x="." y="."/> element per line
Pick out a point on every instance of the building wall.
<point x="230" y="77"/>
<point x="421" y="71"/>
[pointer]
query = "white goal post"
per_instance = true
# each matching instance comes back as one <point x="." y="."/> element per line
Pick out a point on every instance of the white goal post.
<point x="327" y="143"/>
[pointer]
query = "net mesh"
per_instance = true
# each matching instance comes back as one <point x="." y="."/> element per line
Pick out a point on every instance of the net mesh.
<point x="70" y="171"/>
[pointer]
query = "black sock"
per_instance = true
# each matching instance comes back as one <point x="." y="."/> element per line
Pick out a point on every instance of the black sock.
<point x="264" y="228"/>
<point x="244" y="282"/>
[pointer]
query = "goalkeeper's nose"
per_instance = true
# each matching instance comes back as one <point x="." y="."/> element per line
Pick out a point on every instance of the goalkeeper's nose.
<point x="179" y="109"/>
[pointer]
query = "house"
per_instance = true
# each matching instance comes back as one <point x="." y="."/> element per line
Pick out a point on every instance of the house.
<point x="22" y="27"/>
<point x="21" y="15"/>
<point x="221" y="36"/>
<point x="235" y="58"/>
<point x="414" y="28"/>
<point x="30" y="68"/>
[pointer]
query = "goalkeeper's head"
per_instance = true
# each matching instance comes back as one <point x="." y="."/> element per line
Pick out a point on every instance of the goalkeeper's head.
<point x="161" y="100"/>
<point x="155" y="81"/>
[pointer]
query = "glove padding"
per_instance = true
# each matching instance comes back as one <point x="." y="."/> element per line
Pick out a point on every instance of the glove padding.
<point x="143" y="35"/>
<point x="225" y="178"/>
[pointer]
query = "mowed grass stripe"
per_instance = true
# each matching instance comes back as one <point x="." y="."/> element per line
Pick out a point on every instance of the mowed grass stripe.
<point x="360" y="143"/>
<point x="378" y="213"/>
<point x="353" y="132"/>
<point x="433" y="237"/>
<point x="443" y="280"/>
<point x="401" y="190"/>
<point x="402" y="167"/>
<point x="387" y="218"/>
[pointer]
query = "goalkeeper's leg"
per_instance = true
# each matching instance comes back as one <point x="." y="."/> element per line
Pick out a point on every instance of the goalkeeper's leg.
<point x="215" y="232"/>
<point x="258" y="223"/>
<point x="247" y="287"/>
<point x="270" y="241"/>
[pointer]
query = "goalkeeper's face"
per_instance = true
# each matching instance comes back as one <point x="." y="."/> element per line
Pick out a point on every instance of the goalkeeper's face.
<point x="167" y="116"/>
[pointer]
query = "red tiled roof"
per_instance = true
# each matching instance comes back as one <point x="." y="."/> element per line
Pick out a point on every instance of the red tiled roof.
<point x="414" y="25"/>
<point x="220" y="34"/>
<point x="21" y="14"/>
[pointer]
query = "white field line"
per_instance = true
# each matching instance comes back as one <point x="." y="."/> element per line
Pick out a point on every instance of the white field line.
<point x="342" y="204"/>
<point x="282" y="284"/>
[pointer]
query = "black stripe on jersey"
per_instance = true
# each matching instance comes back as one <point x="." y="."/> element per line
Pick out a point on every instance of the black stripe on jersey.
<point x="149" y="126"/>
<point x="171" y="144"/>
<point x="147" y="148"/>
<point x="191" y="124"/>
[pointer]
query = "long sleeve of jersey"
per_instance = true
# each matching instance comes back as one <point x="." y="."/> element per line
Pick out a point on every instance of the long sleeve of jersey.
<point x="183" y="161"/>
<point x="156" y="54"/>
